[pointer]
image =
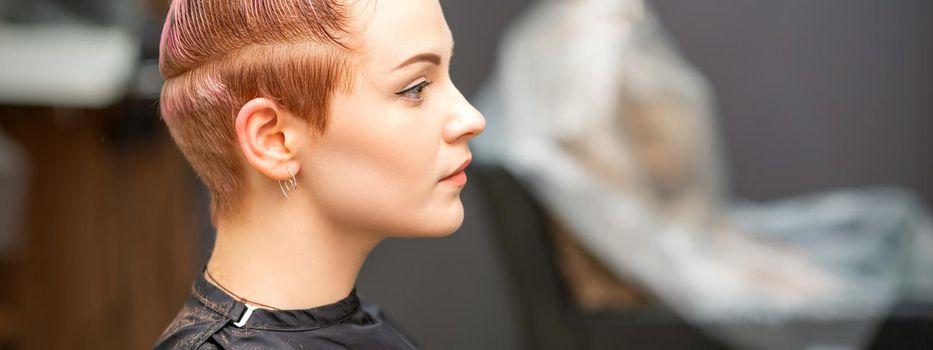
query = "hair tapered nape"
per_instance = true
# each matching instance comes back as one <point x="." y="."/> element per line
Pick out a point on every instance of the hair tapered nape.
<point x="216" y="55"/>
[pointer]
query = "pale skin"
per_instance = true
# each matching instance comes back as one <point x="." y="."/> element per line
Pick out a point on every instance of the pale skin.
<point x="375" y="173"/>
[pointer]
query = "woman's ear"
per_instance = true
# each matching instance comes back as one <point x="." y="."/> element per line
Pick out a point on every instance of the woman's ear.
<point x="269" y="137"/>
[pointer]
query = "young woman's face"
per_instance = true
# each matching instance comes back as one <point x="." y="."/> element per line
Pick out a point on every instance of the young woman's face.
<point x="404" y="128"/>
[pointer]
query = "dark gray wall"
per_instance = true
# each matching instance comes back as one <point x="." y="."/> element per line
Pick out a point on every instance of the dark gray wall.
<point x="816" y="94"/>
<point x="812" y="95"/>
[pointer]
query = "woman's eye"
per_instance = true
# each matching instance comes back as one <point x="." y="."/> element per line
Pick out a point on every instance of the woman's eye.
<point x="414" y="92"/>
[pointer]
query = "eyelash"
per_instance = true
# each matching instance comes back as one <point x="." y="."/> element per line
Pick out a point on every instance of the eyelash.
<point x="417" y="89"/>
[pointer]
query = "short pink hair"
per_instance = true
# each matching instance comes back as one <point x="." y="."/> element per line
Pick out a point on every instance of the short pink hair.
<point x="216" y="55"/>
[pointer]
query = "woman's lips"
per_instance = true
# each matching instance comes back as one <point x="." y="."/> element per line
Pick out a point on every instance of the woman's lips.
<point x="458" y="177"/>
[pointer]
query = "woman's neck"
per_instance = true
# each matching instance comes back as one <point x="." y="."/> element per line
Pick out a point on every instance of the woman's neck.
<point x="288" y="260"/>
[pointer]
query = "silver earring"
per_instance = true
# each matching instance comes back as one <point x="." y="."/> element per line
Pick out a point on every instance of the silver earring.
<point x="289" y="185"/>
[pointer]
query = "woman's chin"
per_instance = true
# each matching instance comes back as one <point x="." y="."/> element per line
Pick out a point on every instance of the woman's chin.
<point x="441" y="224"/>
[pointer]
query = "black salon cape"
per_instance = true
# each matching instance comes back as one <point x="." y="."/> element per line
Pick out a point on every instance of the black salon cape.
<point x="207" y="322"/>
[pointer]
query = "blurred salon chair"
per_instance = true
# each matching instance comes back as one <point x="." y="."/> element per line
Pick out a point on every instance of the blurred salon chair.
<point x="549" y="316"/>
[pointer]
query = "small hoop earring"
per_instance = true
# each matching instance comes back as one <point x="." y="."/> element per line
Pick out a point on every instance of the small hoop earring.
<point x="288" y="185"/>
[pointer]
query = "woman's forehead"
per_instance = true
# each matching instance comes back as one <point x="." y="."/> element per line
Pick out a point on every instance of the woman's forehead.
<point x="396" y="30"/>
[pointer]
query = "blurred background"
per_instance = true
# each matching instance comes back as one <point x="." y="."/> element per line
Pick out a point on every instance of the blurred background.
<point x="103" y="225"/>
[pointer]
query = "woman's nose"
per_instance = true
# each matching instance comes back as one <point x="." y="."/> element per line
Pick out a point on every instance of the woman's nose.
<point x="466" y="123"/>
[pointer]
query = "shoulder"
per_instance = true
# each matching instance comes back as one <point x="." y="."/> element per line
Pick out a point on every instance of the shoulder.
<point x="192" y="328"/>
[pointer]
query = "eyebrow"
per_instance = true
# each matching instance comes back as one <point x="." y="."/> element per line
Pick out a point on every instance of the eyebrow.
<point x="421" y="57"/>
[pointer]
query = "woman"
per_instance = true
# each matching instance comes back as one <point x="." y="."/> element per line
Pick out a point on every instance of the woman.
<point x="320" y="128"/>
